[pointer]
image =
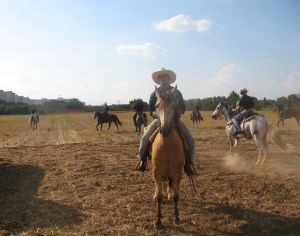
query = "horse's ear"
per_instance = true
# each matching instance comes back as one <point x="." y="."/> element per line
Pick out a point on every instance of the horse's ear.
<point x="157" y="91"/>
<point x="174" y="89"/>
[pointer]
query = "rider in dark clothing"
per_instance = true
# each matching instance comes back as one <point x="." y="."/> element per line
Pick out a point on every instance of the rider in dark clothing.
<point x="105" y="110"/>
<point x="33" y="110"/>
<point x="244" y="105"/>
<point x="138" y="107"/>
<point x="196" y="110"/>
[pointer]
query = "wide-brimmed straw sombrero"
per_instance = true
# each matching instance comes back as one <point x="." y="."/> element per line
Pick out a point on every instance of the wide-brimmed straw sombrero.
<point x="170" y="73"/>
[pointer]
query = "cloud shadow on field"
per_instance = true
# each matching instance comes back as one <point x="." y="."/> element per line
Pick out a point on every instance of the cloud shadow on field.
<point x="257" y="223"/>
<point x="20" y="210"/>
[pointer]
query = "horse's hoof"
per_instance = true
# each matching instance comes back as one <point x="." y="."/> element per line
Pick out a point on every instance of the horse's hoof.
<point x="177" y="221"/>
<point x="158" y="225"/>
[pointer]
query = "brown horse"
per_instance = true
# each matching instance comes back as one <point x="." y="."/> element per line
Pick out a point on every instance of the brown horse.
<point x="167" y="152"/>
<point x="103" y="117"/>
<point x="285" y="112"/>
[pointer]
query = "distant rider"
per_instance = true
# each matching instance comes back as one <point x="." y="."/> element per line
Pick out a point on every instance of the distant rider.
<point x="196" y="110"/>
<point x="139" y="108"/>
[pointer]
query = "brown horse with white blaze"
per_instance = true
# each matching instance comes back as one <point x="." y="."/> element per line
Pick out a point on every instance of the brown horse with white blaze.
<point x="167" y="152"/>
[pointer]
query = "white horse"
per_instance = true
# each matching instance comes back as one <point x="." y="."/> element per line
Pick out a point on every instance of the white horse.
<point x="256" y="127"/>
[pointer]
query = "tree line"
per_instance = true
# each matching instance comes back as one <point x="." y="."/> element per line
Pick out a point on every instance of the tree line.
<point x="59" y="106"/>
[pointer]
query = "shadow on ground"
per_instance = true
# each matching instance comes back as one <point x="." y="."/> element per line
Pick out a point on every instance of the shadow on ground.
<point x="19" y="207"/>
<point x="256" y="222"/>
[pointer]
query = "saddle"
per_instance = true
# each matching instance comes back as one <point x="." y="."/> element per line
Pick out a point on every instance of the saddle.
<point x="249" y="116"/>
<point x="153" y="136"/>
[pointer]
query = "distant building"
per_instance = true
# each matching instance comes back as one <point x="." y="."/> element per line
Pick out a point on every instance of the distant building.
<point x="10" y="97"/>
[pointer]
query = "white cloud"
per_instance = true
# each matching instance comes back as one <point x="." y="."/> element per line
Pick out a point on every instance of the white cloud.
<point x="147" y="50"/>
<point x="181" y="23"/>
<point x="222" y="83"/>
<point x="225" y="75"/>
<point x="293" y="82"/>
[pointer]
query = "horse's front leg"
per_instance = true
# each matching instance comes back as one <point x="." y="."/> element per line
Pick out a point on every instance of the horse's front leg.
<point x="97" y="126"/>
<point x="176" y="199"/>
<point x="158" y="196"/>
<point x="109" y="124"/>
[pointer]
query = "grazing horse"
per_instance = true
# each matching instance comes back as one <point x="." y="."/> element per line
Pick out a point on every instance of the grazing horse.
<point x="103" y="117"/>
<point x="141" y="119"/>
<point x="167" y="152"/>
<point x="256" y="127"/>
<point x="34" y="119"/>
<point x="196" y="117"/>
<point x="285" y="112"/>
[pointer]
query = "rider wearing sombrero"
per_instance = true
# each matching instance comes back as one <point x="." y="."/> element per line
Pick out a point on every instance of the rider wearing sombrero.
<point x="164" y="78"/>
<point x="244" y="106"/>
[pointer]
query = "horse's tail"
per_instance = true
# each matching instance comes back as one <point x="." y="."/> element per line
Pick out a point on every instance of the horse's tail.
<point x="117" y="120"/>
<point x="275" y="137"/>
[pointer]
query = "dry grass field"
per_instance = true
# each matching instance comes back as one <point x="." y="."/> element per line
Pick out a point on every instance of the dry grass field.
<point x="68" y="179"/>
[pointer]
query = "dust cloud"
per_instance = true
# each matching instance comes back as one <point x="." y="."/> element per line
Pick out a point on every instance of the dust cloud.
<point x="280" y="164"/>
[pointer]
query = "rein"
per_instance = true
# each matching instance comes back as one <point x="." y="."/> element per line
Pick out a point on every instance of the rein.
<point x="192" y="184"/>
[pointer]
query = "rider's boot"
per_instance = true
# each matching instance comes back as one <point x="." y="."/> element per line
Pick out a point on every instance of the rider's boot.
<point x="142" y="165"/>
<point x="189" y="168"/>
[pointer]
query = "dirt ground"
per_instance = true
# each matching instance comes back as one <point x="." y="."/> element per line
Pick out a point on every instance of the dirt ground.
<point x="67" y="179"/>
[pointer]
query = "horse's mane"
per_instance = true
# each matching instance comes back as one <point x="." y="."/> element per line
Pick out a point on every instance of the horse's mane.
<point x="225" y="105"/>
<point x="168" y="96"/>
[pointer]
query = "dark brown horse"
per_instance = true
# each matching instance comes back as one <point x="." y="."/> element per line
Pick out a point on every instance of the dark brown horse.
<point x="104" y="117"/>
<point x="196" y="117"/>
<point x="285" y="112"/>
<point x="167" y="152"/>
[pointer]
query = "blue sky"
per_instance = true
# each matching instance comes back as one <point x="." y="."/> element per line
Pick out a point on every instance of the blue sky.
<point x="106" y="51"/>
